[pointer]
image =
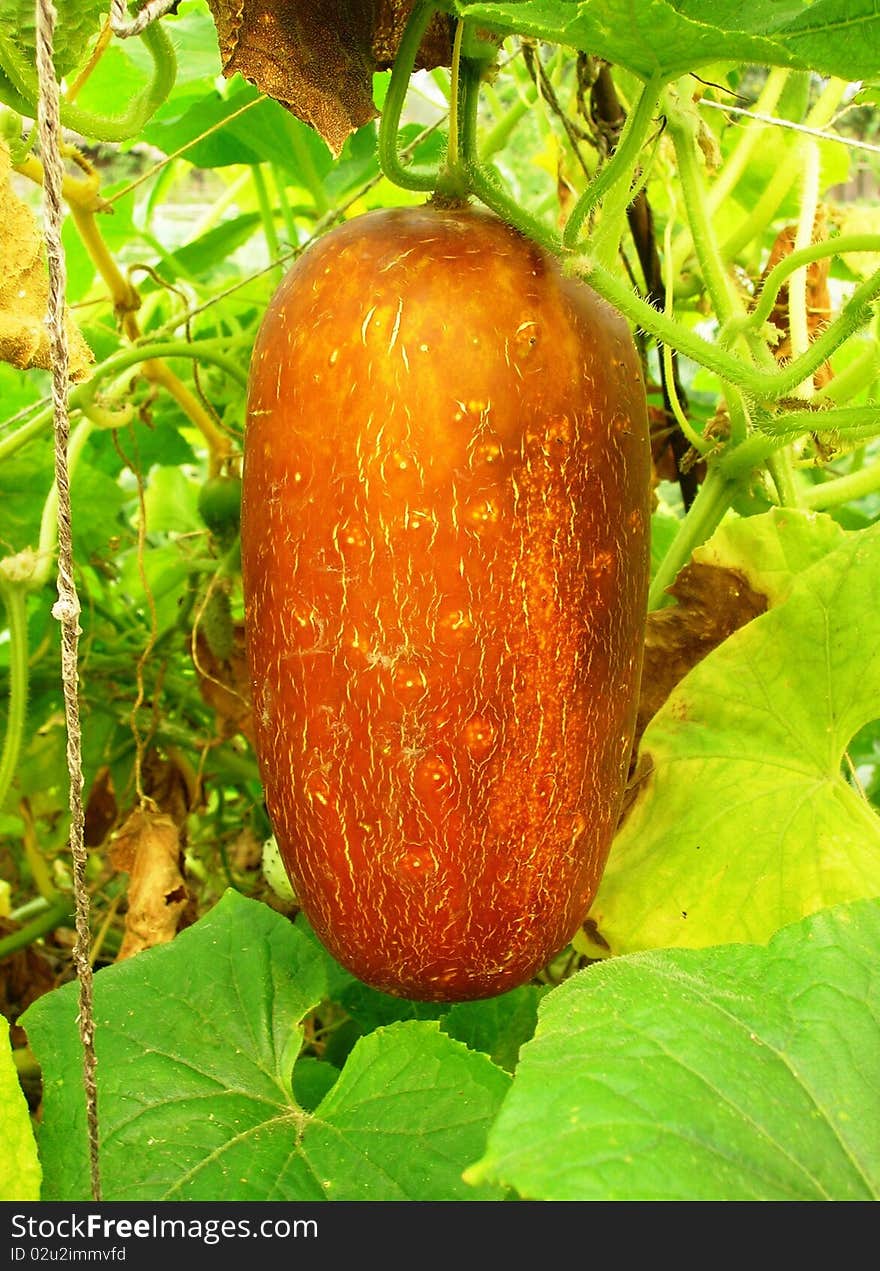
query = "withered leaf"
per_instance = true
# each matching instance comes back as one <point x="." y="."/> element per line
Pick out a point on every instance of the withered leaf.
<point x="225" y="684"/>
<point x="317" y="57"/>
<point x="712" y="603"/>
<point x="24" y="287"/>
<point x="148" y="849"/>
<point x="169" y="783"/>
<point x="818" y="294"/>
<point x="101" y="808"/>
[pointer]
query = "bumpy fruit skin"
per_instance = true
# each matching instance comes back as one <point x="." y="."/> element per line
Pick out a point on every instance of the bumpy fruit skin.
<point x="445" y="563"/>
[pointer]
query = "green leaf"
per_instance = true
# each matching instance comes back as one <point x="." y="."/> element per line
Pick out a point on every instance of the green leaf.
<point x="745" y="821"/>
<point x="265" y="131"/>
<point x="668" y="38"/>
<point x="207" y="254"/>
<point x="497" y="1026"/>
<point x="196" y="1044"/>
<point x="312" y="1078"/>
<point x="19" y="1164"/>
<point x="731" y="1073"/>
<point x="399" y="1122"/>
<point x="25" y="481"/>
<point x="77" y="22"/>
<point x="772" y="550"/>
<point x="837" y="37"/>
<point x="171" y="502"/>
<point x="167" y="570"/>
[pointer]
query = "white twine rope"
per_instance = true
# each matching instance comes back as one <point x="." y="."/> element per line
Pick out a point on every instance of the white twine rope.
<point x="67" y="608"/>
<point x="123" y="26"/>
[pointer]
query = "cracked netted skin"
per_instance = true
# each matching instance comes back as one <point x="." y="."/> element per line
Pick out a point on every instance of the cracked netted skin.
<point x="445" y="560"/>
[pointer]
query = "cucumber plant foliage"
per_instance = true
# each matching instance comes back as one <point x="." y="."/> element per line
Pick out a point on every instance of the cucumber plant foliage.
<point x="409" y="432"/>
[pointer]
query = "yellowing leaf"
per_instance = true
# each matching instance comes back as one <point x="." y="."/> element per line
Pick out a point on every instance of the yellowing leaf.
<point x="20" y="1174"/>
<point x="24" y="288"/>
<point x="742" y="819"/>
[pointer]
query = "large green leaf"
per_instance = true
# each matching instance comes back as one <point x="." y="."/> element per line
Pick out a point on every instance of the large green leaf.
<point x="77" y="21"/>
<point x="668" y="38"/>
<point x="240" y="128"/>
<point x="196" y="1045"/>
<point x="744" y="821"/>
<point x="733" y="1073"/>
<point x="19" y="1165"/>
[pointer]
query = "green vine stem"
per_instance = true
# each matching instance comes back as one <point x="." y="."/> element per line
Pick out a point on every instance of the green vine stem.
<point x="59" y="914"/>
<point x="14" y="592"/>
<point x="389" y="125"/>
<point x="756" y="383"/>
<point x="846" y="423"/>
<point x="683" y="126"/>
<point x="842" y="245"/>
<point x="483" y="180"/>
<point x="205" y="351"/>
<point x="798" y="320"/>
<point x="18" y="89"/>
<point x="267" y="219"/>
<point x="614" y="180"/>
<point x="706" y="513"/>
<point x="855" y="485"/>
<point x="775" y="191"/>
<point x="452" y="179"/>
<point x="736" y="163"/>
<point x="782" y="474"/>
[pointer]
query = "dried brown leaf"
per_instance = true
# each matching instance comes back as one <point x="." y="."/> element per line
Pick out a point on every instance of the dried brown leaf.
<point x="148" y="849"/>
<point x="818" y="294"/>
<point x="317" y="57"/>
<point x="225" y="685"/>
<point x="170" y="784"/>
<point x="24" y="288"/>
<point x="712" y="604"/>
<point x="101" y="809"/>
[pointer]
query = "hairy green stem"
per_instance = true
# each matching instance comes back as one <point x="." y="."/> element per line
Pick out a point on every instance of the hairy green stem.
<point x="855" y="485"/>
<point x="18" y="73"/>
<point x="736" y="163"/>
<point x="762" y="385"/>
<point x="452" y="179"/>
<point x="705" y="515"/>
<point x="482" y="179"/>
<point x="208" y="351"/>
<point x="614" y="180"/>
<point x="682" y="127"/>
<point x="848" y="423"/>
<point x="389" y="126"/>
<point x="775" y="280"/>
